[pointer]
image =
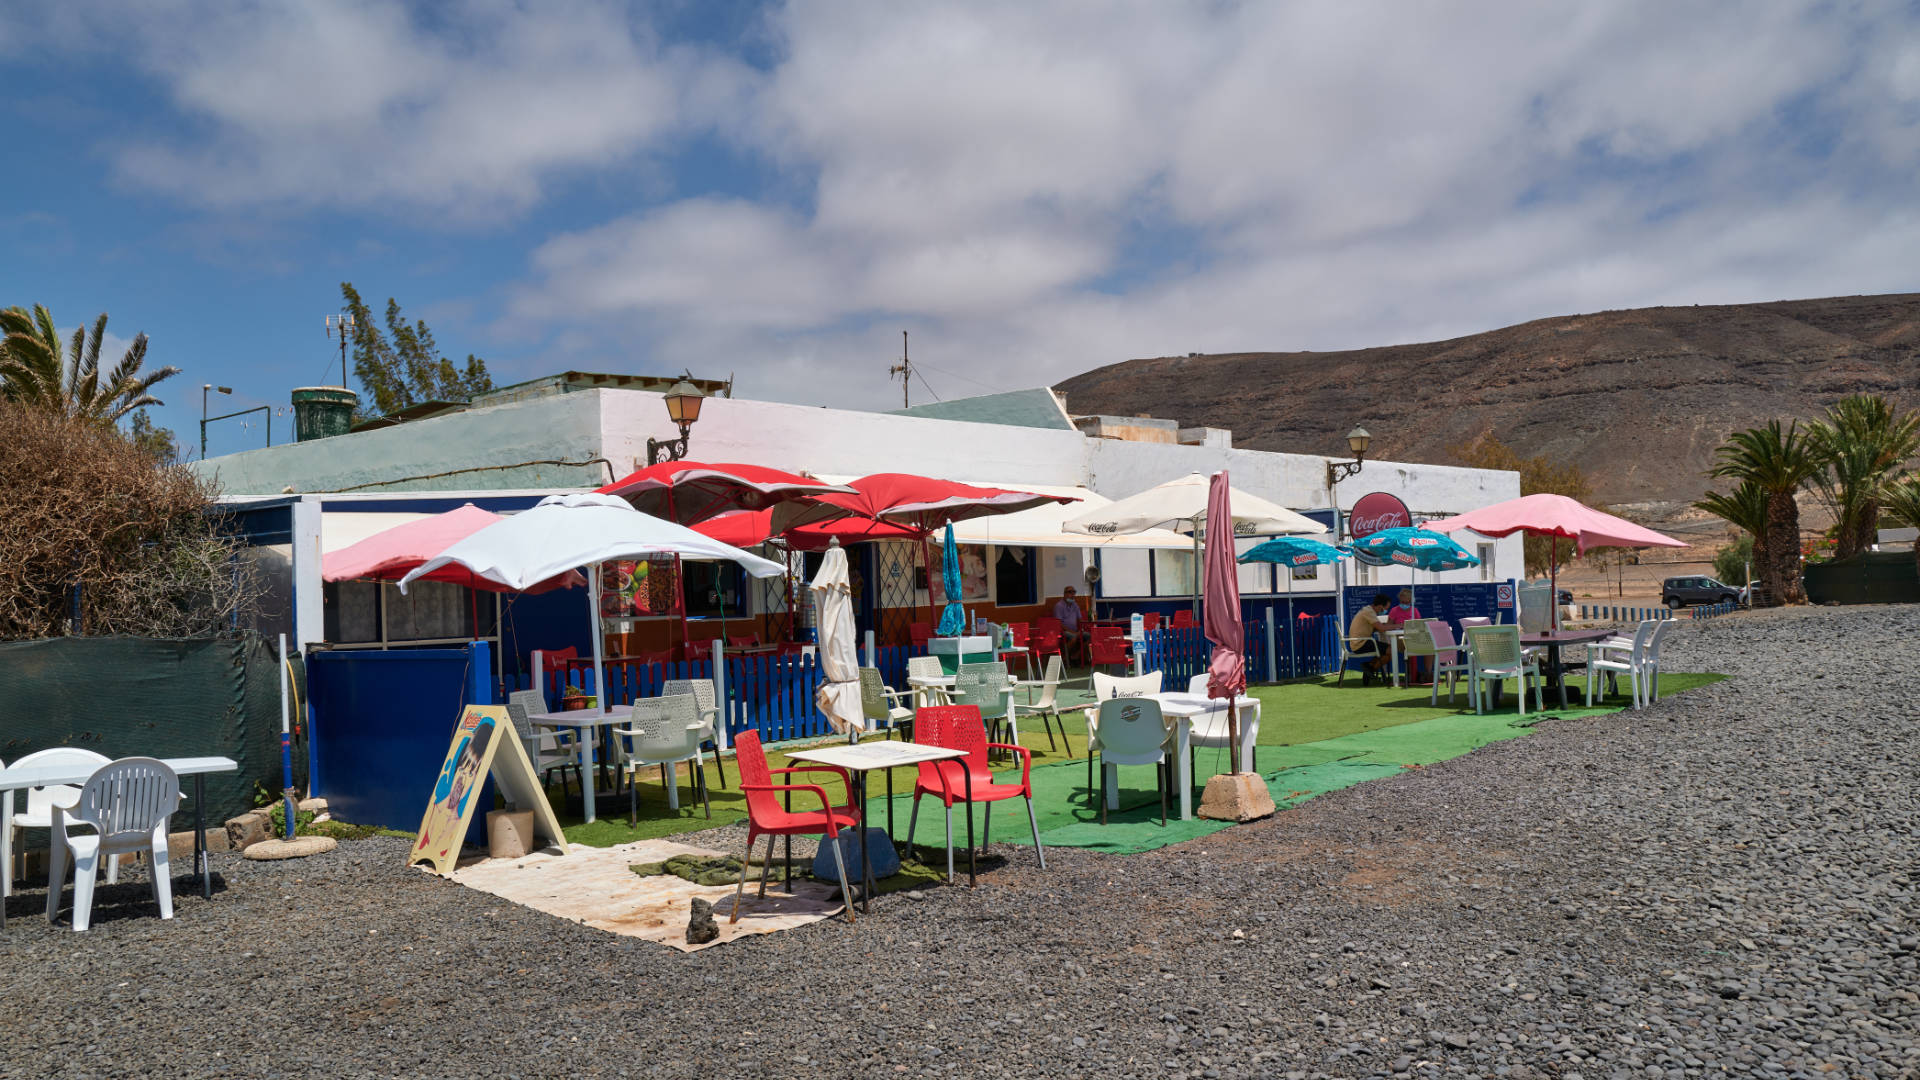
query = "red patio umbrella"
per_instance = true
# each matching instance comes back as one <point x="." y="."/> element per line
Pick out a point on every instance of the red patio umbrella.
<point x="1555" y="516"/>
<point x="748" y="528"/>
<point x="690" y="492"/>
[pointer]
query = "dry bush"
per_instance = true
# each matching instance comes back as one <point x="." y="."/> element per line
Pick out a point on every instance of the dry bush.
<point x="82" y="504"/>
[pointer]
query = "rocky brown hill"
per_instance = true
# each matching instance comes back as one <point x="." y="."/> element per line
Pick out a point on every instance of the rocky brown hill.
<point x="1639" y="398"/>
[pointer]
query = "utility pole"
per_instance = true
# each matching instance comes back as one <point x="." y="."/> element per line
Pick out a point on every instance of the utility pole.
<point x="343" y="324"/>
<point x="904" y="369"/>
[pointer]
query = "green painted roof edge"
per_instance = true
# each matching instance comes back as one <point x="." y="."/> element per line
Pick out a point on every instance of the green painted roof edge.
<point x="1036" y="408"/>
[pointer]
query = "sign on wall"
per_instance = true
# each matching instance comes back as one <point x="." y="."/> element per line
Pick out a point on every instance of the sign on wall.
<point x="1371" y="513"/>
<point x="483" y="741"/>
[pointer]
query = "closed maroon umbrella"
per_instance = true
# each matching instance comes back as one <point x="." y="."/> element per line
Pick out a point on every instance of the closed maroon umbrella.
<point x="1227" y="670"/>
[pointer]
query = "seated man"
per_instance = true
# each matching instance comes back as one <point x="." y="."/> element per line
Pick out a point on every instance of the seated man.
<point x="1370" y="624"/>
<point x="1073" y="635"/>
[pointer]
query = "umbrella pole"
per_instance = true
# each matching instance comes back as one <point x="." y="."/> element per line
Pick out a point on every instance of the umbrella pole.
<point x="1196" y="570"/>
<point x="1290" y="643"/>
<point x="600" y="695"/>
<point x="1553" y="576"/>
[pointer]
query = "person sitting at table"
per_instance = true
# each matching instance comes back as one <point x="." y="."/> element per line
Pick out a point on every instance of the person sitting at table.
<point x="1370" y="624"/>
<point x="1397" y="616"/>
<point x="1073" y="635"/>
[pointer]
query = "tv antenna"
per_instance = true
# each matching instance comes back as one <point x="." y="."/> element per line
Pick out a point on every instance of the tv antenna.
<point x="343" y="324"/>
<point x="904" y="369"/>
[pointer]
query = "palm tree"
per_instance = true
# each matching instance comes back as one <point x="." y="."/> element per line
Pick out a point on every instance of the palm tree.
<point x="1745" y="508"/>
<point x="1901" y="500"/>
<point x="1776" y="461"/>
<point x="1863" y="441"/>
<point x="36" y="371"/>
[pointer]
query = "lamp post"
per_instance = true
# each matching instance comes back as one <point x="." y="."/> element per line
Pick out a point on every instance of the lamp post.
<point x="683" y="408"/>
<point x="204" y="387"/>
<point x="1357" y="441"/>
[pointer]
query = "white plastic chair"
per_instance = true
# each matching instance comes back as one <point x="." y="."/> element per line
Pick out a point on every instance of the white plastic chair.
<point x="1132" y="732"/>
<point x="880" y="703"/>
<point x="1630" y="657"/>
<point x="1048" y="703"/>
<point x="1433" y="638"/>
<point x="1210" y="729"/>
<point x="41" y="801"/>
<point x="1660" y="631"/>
<point x="1106" y="688"/>
<point x="926" y="667"/>
<point x="1536" y="608"/>
<point x="703" y="695"/>
<point x="6" y="843"/>
<point x="1472" y="621"/>
<point x="128" y="804"/>
<point x="666" y="731"/>
<point x="989" y="688"/>
<point x="1494" y="656"/>
<point x="1369" y="649"/>
<point x="546" y="748"/>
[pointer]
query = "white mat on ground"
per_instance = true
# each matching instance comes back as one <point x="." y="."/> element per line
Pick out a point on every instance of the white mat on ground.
<point x="593" y="886"/>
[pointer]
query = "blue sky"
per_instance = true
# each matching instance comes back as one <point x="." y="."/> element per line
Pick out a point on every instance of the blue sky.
<point x="1033" y="190"/>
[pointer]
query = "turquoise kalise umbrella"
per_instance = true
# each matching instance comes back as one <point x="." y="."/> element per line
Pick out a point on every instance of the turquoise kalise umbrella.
<point x="1292" y="551"/>
<point x="953" y="618"/>
<point x="1421" y="549"/>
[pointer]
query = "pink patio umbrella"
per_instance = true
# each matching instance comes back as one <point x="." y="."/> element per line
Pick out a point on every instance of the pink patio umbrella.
<point x="388" y="555"/>
<point x="1227" y="671"/>
<point x="1555" y="516"/>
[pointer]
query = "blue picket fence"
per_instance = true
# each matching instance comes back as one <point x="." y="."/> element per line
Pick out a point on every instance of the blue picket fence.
<point x="1182" y="653"/>
<point x="1714" y="611"/>
<point x="1622" y="614"/>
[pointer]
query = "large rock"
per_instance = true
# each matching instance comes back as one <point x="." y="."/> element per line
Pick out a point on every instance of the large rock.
<point x="1236" y="797"/>
<point x="700" y="926"/>
<point x="886" y="861"/>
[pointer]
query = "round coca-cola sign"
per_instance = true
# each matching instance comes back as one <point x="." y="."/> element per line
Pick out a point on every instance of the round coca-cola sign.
<point x="1375" y="511"/>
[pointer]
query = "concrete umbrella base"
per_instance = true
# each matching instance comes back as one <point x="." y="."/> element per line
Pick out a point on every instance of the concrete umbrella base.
<point x="1232" y="797"/>
<point x="296" y="848"/>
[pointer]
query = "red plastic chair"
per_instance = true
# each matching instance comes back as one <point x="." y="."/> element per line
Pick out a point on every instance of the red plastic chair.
<point x="742" y="641"/>
<point x="1108" y="646"/>
<point x="1149" y="620"/>
<point x="959" y="727"/>
<point x="919" y="634"/>
<point x="766" y="817"/>
<point x="1183" y="619"/>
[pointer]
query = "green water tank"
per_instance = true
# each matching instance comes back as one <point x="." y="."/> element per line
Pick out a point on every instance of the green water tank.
<point x="320" y="411"/>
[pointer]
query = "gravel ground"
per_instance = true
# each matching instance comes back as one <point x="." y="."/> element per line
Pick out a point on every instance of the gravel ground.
<point x="1722" y="884"/>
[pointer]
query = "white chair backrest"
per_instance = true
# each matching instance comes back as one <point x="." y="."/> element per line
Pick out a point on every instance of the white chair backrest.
<point x="1198" y="684"/>
<point x="1050" y="683"/>
<point x="127" y="799"/>
<point x="520" y="705"/>
<point x="1472" y="621"/>
<point x="1661" y="628"/>
<point x="1644" y="636"/>
<point x="1418" y="640"/>
<point x="1107" y="687"/>
<point x="669" y="727"/>
<point x="1495" y="646"/>
<point x="702" y="691"/>
<point x="41" y="801"/>
<point x="1536" y="608"/>
<point x="984" y="686"/>
<point x="1131" y="728"/>
<point x="1443" y="644"/>
<point x="924" y="667"/>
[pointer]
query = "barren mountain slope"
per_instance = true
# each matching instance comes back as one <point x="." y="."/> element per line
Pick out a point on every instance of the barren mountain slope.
<point x="1640" y="398"/>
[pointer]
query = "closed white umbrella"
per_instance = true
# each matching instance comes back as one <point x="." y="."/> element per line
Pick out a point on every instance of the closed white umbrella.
<point x="563" y="532"/>
<point x="839" y="696"/>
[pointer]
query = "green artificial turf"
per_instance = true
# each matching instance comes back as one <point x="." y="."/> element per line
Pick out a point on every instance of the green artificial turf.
<point x="1315" y="736"/>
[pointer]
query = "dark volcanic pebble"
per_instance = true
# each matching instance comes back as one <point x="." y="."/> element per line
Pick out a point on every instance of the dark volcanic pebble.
<point x="1720" y="885"/>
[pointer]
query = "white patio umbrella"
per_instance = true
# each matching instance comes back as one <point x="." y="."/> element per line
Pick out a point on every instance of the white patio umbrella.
<point x="563" y="532"/>
<point x="1182" y="504"/>
<point x="839" y="696"/>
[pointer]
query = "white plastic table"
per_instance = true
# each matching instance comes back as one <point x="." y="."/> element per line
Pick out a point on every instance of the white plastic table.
<point x="585" y="721"/>
<point x="1184" y="707"/>
<point x="861" y="758"/>
<point x="39" y="776"/>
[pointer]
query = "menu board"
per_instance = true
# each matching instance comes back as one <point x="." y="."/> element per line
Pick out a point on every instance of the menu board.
<point x="1452" y="602"/>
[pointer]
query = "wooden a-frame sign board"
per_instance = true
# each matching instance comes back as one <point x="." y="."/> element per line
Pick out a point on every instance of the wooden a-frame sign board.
<point x="483" y="742"/>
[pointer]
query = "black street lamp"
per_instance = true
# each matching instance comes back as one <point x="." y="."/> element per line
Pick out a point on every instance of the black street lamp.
<point x="1357" y="441"/>
<point x="204" y="387"/>
<point x="683" y="408"/>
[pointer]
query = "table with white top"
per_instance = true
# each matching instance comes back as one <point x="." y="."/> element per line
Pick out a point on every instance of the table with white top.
<point x="1184" y="708"/>
<point x="585" y="722"/>
<point x="40" y="776"/>
<point x="859" y="759"/>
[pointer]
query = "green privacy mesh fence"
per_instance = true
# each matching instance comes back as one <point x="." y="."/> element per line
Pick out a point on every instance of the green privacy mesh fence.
<point x="151" y="697"/>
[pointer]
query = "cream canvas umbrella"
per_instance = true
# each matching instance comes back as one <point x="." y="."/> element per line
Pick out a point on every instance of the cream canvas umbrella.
<point x="839" y="696"/>
<point x="1182" y="504"/>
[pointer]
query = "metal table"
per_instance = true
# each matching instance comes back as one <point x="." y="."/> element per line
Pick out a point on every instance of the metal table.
<point x="1183" y="707"/>
<point x="1552" y="641"/>
<point x="862" y="758"/>
<point x="584" y="721"/>
<point x="39" y="776"/>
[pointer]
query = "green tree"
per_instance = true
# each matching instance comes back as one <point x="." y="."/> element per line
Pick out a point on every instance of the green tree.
<point x="1777" y="460"/>
<point x="1730" y="562"/>
<point x="158" y="442"/>
<point x="1745" y="508"/>
<point x="1901" y="501"/>
<point x="1538" y="474"/>
<point x="1862" y="441"/>
<point x="38" y="371"/>
<point x="403" y="365"/>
